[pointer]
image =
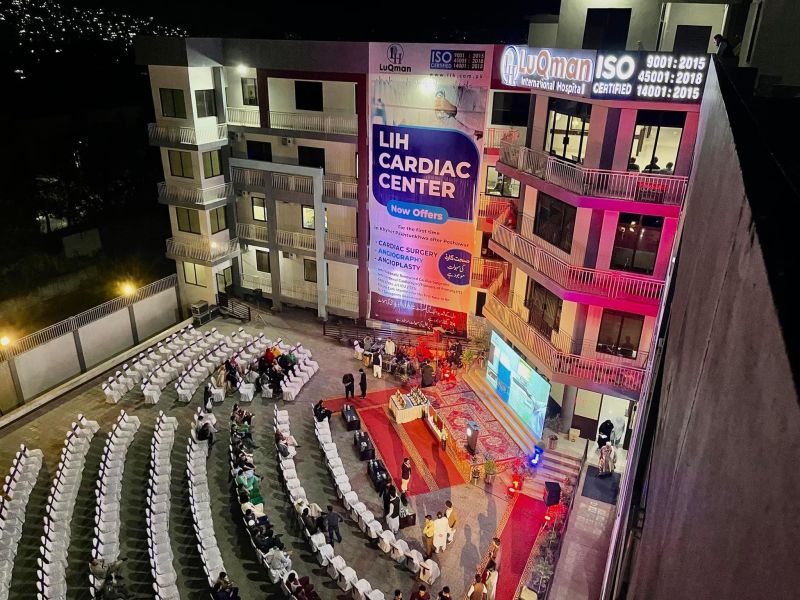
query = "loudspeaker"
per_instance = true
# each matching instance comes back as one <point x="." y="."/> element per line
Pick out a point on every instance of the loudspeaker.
<point x="472" y="436"/>
<point x="552" y="493"/>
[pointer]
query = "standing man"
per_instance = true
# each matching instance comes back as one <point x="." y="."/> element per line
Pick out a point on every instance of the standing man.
<point x="724" y="48"/>
<point x="452" y="519"/>
<point x="389" y="347"/>
<point x="393" y="516"/>
<point x="440" y="530"/>
<point x="494" y="556"/>
<point x="349" y="386"/>
<point x="333" y="519"/>
<point x="377" y="364"/>
<point x="405" y="474"/>
<point x="427" y="534"/>
<point x="477" y="591"/>
<point x="362" y="383"/>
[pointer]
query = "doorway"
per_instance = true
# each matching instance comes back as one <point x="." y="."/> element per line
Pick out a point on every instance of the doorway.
<point x="308" y="156"/>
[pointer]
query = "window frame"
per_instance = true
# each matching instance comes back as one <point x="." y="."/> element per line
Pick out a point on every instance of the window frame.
<point x="214" y="218"/>
<point x="623" y="222"/>
<point x="500" y="177"/>
<point x="502" y="112"/>
<point x="303" y="209"/>
<point x="617" y="349"/>
<point x="194" y="272"/>
<point x="205" y="95"/>
<point x="209" y="168"/>
<point x="662" y="116"/>
<point x="533" y="311"/>
<point x="544" y="200"/>
<point x="189" y="212"/>
<point x="266" y="257"/>
<point x="245" y="85"/>
<point x="171" y="94"/>
<point x="182" y="154"/>
<point x="554" y="108"/>
<point x="253" y="207"/>
<point x="306" y="263"/>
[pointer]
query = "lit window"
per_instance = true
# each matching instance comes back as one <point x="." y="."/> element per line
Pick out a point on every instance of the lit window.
<point x="259" y="208"/>
<point x="308" y="217"/>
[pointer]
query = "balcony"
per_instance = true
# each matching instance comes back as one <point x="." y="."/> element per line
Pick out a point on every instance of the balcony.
<point x="344" y="300"/>
<point x="195" y="197"/>
<point x="668" y="190"/>
<point x="607" y="288"/>
<point x="326" y="122"/>
<point x="293" y="183"/>
<point x="334" y="187"/>
<point x="248" y="116"/>
<point x="201" y="250"/>
<point x="341" y="187"/>
<point x="165" y="135"/>
<point x="296" y="240"/>
<point x="341" y="246"/>
<point x="262" y="281"/>
<point x="255" y="233"/>
<point x="488" y="274"/>
<point x="491" y="207"/>
<point x="563" y="362"/>
<point x="495" y="135"/>
<point x="300" y="291"/>
<point x="249" y="177"/>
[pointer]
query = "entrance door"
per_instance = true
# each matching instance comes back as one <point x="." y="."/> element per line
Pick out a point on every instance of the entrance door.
<point x="311" y="157"/>
<point x="259" y="150"/>
<point x="224" y="279"/>
<point x="479" y="303"/>
<point x="615" y="410"/>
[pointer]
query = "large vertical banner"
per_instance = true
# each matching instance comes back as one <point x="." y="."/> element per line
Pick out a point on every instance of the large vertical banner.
<point x="427" y="116"/>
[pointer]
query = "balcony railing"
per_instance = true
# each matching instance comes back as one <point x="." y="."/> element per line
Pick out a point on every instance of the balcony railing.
<point x="293" y="183"/>
<point x="299" y="290"/>
<point x="343" y="123"/>
<point x="262" y="282"/>
<point x="249" y="177"/>
<point x="245" y="115"/>
<point x="495" y="135"/>
<point x="603" y="372"/>
<point x="488" y="273"/>
<point x="491" y="207"/>
<point x="341" y="245"/>
<point x="296" y="239"/>
<point x="344" y="299"/>
<point x="202" y="249"/>
<point x="249" y="231"/>
<point x="622" y="185"/>
<point x="170" y="193"/>
<point x="345" y="188"/>
<point x="610" y="284"/>
<point x="165" y="134"/>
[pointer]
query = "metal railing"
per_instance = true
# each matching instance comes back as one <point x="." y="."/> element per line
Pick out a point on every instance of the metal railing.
<point x="250" y="231"/>
<point x="293" y="183"/>
<point x="206" y="134"/>
<point x="495" y="135"/>
<point x="170" y="193"/>
<point x="600" y="282"/>
<point x="589" y="368"/>
<point x="486" y="272"/>
<point x="341" y="123"/>
<point x="341" y="245"/>
<point x="344" y="189"/>
<point x="249" y="177"/>
<point x="244" y="115"/>
<point x="344" y="299"/>
<point x="491" y="207"/>
<point x="261" y="282"/>
<point x="296" y="239"/>
<point x="203" y="249"/>
<point x="622" y="185"/>
<point x="29" y="342"/>
<point x="299" y="290"/>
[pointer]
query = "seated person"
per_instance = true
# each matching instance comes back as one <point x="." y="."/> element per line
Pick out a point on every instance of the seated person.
<point x="205" y="430"/>
<point x="289" y="440"/>
<point x="653" y="166"/>
<point x="265" y="539"/>
<point x="427" y="375"/>
<point x="299" y="585"/>
<point x="251" y="483"/>
<point x="251" y="519"/>
<point x="321" y="413"/>
<point x="632" y="166"/>
<point x="257" y="510"/>
<point x="224" y="589"/>
<point x="309" y="522"/>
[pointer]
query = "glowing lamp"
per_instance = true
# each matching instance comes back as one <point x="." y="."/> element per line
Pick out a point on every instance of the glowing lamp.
<point x="242" y="70"/>
<point x="536" y="458"/>
<point x="469" y="431"/>
<point x="548" y="518"/>
<point x="5" y="340"/>
<point x="127" y="288"/>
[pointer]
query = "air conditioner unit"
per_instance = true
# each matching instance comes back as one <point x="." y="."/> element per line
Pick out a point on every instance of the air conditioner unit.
<point x="289" y="256"/>
<point x="287" y="141"/>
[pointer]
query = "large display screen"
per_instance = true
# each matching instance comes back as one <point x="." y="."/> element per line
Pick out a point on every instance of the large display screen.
<point x="519" y="386"/>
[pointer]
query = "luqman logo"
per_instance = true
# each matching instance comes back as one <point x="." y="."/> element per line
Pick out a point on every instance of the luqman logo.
<point x="394" y="53"/>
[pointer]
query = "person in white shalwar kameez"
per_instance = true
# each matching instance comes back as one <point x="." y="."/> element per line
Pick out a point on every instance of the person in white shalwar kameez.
<point x="440" y="529"/>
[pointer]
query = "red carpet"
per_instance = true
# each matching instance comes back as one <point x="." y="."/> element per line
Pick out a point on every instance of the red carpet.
<point x="516" y="542"/>
<point x="379" y="398"/>
<point x="390" y="447"/>
<point x="442" y="469"/>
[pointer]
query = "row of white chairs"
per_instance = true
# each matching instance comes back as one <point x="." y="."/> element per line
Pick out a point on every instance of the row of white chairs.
<point x="344" y="575"/>
<point x="426" y="569"/>
<point x="158" y="505"/>
<point x="16" y="491"/>
<point x="200" y="505"/>
<point x="52" y="564"/>
<point x="303" y="371"/>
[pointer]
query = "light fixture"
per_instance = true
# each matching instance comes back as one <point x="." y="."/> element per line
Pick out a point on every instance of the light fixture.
<point x="242" y="70"/>
<point x="127" y="288"/>
<point x="5" y="341"/>
<point x="428" y="85"/>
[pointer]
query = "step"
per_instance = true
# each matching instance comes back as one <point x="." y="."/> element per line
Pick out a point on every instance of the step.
<point x="567" y="462"/>
<point x="556" y="470"/>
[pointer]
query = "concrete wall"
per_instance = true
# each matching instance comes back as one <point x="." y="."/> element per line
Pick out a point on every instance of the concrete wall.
<point x="774" y="50"/>
<point x="692" y="14"/>
<point x="8" y="396"/>
<point x="106" y="337"/>
<point x="721" y="516"/>
<point x="156" y="313"/>
<point x="47" y="365"/>
<point x="336" y="96"/>
<point x="340" y="158"/>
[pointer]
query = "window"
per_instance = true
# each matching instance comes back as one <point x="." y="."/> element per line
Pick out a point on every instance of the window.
<point x="259" y="208"/>
<point x="692" y="39"/>
<point x="180" y="164"/>
<point x="310" y="270"/>
<point x="206" y="104"/>
<point x="606" y="28"/>
<point x="308" y="156"/>
<point x="498" y="184"/>
<point x="211" y="166"/>
<point x="620" y="333"/>
<point x="194" y="274"/>
<point x="262" y="261"/>
<point x="544" y="307"/>
<point x="656" y="141"/>
<point x="509" y="108"/>
<point x="636" y="243"/>
<point x="308" y="95"/>
<point x="554" y="222"/>
<point x="259" y="150"/>
<point x="188" y="220"/>
<point x="224" y="279"/>
<point x="172" y="104"/>
<point x="249" y="91"/>
<point x="308" y="217"/>
<point x="567" y="129"/>
<point x="217" y="219"/>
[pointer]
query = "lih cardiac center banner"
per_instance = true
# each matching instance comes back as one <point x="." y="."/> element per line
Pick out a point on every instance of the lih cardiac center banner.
<point x="425" y="139"/>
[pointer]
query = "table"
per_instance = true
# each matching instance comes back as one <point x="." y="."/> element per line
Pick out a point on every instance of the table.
<point x="378" y="474"/>
<point x="351" y="419"/>
<point x="408" y="407"/>
<point x="408" y="520"/>
<point x="364" y="445"/>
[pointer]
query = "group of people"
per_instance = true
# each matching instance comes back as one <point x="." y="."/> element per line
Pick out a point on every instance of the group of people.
<point x="107" y="576"/>
<point x="326" y="523"/>
<point x="349" y="383"/>
<point x="421" y="593"/>
<point x="651" y="167"/>
<point x="438" y="532"/>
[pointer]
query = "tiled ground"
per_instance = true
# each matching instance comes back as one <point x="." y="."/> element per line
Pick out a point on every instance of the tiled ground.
<point x="479" y="509"/>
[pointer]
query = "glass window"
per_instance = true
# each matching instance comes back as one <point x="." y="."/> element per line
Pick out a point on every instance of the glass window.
<point x="249" y="91"/>
<point x="308" y="95"/>
<point x="310" y="270"/>
<point x="567" y="129"/>
<point x="180" y="164"/>
<point x="498" y="184"/>
<point x="259" y="208"/>
<point x="188" y="220"/>
<point x="308" y="217"/>
<point x="225" y="279"/>
<point x="620" y="333"/>
<point x="656" y="141"/>
<point x="217" y="219"/>
<point x="262" y="261"/>
<point x="172" y="104"/>
<point x="206" y="104"/>
<point x="510" y="108"/>
<point x="211" y="166"/>
<point x="554" y="222"/>
<point x="194" y="274"/>
<point x="259" y="150"/>
<point x="544" y="309"/>
<point x="636" y="243"/>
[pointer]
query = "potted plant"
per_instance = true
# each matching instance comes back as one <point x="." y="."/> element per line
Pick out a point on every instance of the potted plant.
<point x="468" y="358"/>
<point x="542" y="572"/>
<point x="552" y="441"/>
<point x="489" y="470"/>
